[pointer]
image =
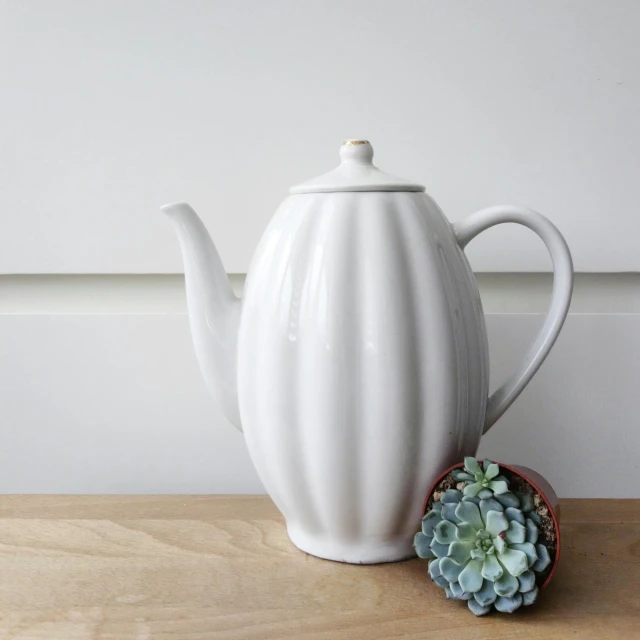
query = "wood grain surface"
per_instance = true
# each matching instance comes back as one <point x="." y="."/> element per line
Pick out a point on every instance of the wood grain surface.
<point x="192" y="568"/>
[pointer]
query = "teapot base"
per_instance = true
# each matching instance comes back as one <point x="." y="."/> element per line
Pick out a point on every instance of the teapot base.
<point x="353" y="551"/>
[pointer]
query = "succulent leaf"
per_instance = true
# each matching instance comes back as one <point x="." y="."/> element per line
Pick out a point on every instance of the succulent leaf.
<point x="532" y="531"/>
<point x="486" y="595"/>
<point x="516" y="533"/>
<point x="527" y="581"/>
<point x="470" y="512"/>
<point x="491" y="568"/>
<point x="445" y="532"/>
<point x="483" y="494"/>
<point x="449" y="512"/>
<point x="491" y="470"/>
<point x="513" y="513"/>
<point x="496" y="523"/>
<point x="451" y="496"/>
<point x="530" y="597"/>
<point x="421" y="545"/>
<point x="534" y="516"/>
<point x="472" y="490"/>
<point x="499" y="544"/>
<point x="514" y="561"/>
<point x="498" y="486"/>
<point x="465" y="532"/>
<point x="441" y="581"/>
<point x="439" y="550"/>
<point x="489" y="505"/>
<point x="473" y="499"/>
<point x="470" y="578"/>
<point x="457" y="590"/>
<point x="461" y="476"/>
<point x="434" y="569"/>
<point x="460" y="551"/>
<point x="508" y="500"/>
<point x="450" y="569"/>
<point x="478" y="554"/>
<point x="429" y="521"/>
<point x="543" y="558"/>
<point x="508" y="605"/>
<point x="507" y="585"/>
<point x="529" y="550"/>
<point x="478" y="609"/>
<point x="526" y="501"/>
<point x="472" y="466"/>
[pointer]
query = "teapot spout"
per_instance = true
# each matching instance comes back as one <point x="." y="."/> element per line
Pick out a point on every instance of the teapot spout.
<point x="214" y="310"/>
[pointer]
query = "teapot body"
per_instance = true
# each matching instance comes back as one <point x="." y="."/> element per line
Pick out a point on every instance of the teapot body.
<point x="362" y="367"/>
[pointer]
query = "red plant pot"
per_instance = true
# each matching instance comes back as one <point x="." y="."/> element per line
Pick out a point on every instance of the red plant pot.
<point x="539" y="484"/>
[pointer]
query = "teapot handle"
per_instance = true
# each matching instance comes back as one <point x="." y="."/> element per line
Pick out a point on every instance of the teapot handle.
<point x="478" y="222"/>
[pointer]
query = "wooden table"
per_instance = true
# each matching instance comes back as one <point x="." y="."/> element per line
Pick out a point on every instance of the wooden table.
<point x="191" y="568"/>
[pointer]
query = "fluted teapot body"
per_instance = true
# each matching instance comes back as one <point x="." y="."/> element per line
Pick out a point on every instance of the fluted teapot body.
<point x="356" y="362"/>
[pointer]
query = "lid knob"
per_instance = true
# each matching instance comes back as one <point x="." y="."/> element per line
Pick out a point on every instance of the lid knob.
<point x="356" y="173"/>
<point x="356" y="151"/>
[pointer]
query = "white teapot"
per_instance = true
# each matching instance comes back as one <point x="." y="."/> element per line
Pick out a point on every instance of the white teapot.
<point x="356" y="362"/>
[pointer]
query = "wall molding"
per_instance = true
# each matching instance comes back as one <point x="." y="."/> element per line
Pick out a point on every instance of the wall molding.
<point x="153" y="293"/>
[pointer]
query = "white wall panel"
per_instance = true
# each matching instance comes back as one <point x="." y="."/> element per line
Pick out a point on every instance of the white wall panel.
<point x="103" y="403"/>
<point x="111" y="404"/>
<point x="110" y="108"/>
<point x="577" y="422"/>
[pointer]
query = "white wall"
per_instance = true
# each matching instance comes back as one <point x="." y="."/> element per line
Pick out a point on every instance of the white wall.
<point x="110" y="108"/>
<point x="100" y="391"/>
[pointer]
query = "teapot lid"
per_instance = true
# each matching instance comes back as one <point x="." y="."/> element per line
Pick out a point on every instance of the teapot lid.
<point x="356" y="173"/>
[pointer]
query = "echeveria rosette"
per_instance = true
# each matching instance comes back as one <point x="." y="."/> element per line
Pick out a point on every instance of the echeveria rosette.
<point x="483" y="551"/>
<point x="483" y="481"/>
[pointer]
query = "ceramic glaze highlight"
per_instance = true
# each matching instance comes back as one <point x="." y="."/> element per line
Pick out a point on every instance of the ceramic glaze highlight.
<point x="357" y="360"/>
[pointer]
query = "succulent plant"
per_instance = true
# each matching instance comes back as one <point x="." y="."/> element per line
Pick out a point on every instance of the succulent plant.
<point x="483" y="481"/>
<point x="483" y="547"/>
